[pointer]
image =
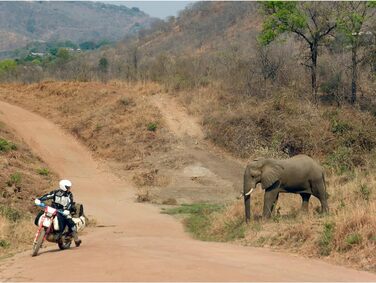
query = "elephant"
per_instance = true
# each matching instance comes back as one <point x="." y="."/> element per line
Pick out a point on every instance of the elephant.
<point x="299" y="175"/>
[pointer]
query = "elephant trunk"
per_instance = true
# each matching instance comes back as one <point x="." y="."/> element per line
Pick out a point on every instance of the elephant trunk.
<point x="247" y="198"/>
<point x="247" y="206"/>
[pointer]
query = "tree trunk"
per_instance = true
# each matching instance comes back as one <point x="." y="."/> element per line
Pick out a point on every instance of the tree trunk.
<point x="314" y="52"/>
<point x="354" y="75"/>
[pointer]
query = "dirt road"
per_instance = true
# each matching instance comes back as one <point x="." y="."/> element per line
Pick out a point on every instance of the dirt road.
<point x="136" y="242"/>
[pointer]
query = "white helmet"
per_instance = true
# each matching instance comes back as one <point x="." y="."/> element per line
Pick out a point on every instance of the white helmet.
<point x="65" y="185"/>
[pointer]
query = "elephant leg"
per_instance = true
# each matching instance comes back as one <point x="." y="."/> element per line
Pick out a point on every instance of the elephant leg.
<point x="305" y="201"/>
<point x="270" y="198"/>
<point x="320" y="189"/>
<point x="275" y="203"/>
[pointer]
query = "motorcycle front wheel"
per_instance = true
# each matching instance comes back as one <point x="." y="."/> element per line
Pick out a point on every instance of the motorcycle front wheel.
<point x="38" y="243"/>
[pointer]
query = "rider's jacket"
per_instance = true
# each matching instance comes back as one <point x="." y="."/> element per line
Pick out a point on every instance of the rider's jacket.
<point x="60" y="199"/>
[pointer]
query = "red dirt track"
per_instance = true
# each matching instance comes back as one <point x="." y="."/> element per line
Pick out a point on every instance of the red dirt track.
<point x="135" y="242"/>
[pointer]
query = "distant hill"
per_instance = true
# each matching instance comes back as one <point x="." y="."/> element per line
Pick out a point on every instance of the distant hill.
<point x="204" y="27"/>
<point x="25" y="22"/>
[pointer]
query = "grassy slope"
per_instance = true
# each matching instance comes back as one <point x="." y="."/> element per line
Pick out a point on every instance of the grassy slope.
<point x="23" y="176"/>
<point x="114" y="120"/>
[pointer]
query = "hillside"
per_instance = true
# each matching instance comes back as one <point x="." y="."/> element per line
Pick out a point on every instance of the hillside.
<point x="204" y="27"/>
<point x="24" y="22"/>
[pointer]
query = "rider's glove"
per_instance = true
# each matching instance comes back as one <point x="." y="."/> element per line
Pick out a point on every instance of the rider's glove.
<point x="37" y="201"/>
<point x="66" y="212"/>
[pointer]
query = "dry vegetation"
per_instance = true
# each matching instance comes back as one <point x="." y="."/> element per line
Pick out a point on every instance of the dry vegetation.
<point x="116" y="121"/>
<point x="22" y="178"/>
<point x="284" y="125"/>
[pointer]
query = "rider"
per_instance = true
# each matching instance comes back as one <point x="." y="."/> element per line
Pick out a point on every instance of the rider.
<point x="62" y="198"/>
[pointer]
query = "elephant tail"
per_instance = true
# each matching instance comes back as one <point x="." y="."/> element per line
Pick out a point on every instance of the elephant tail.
<point x="323" y="180"/>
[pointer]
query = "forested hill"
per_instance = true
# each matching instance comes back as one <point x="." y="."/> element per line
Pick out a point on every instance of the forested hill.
<point x="23" y="22"/>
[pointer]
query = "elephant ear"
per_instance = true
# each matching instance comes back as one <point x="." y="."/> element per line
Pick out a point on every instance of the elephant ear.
<point x="271" y="173"/>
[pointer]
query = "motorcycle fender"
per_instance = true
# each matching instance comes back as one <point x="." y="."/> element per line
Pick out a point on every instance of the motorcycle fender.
<point x="56" y="224"/>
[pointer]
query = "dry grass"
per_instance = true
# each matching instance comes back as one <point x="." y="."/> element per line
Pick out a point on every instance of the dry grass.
<point x="286" y="124"/>
<point x="143" y="195"/>
<point x="150" y="178"/>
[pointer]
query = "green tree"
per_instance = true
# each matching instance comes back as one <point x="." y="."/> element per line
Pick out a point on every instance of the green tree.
<point x="53" y="51"/>
<point x="7" y="65"/>
<point x="88" y="45"/>
<point x="63" y="54"/>
<point x="353" y="25"/>
<point x="311" y="22"/>
<point x="103" y="65"/>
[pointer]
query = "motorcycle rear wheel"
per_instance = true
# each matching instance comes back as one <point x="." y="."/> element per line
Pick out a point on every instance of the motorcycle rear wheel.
<point x="38" y="243"/>
<point x="64" y="243"/>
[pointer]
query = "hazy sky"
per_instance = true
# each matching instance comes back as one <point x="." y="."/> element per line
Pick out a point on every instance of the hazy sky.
<point x="159" y="9"/>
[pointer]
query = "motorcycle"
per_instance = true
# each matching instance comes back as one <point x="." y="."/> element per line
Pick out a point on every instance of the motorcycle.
<point x="48" y="229"/>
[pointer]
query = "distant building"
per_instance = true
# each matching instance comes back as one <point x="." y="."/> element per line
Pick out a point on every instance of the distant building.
<point x="40" y="54"/>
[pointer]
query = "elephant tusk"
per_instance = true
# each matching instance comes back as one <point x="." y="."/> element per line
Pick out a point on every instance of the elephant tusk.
<point x="249" y="193"/>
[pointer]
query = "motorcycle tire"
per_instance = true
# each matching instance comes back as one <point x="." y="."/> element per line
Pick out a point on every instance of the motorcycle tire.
<point x="64" y="244"/>
<point x="38" y="243"/>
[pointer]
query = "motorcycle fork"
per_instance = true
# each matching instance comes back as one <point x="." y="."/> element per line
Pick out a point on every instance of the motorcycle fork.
<point x="39" y="229"/>
<point x="51" y="226"/>
<point x="42" y="227"/>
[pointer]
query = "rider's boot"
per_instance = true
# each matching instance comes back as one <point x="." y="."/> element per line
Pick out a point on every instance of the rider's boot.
<point x="77" y="241"/>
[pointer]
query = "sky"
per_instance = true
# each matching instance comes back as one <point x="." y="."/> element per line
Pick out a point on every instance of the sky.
<point x="158" y="9"/>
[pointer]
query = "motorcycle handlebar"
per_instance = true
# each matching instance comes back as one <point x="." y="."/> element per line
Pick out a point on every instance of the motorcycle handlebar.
<point x="43" y="205"/>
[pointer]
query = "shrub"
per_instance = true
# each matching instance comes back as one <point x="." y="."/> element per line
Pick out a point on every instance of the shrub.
<point x="6" y="146"/>
<point x="10" y="213"/>
<point x="340" y="127"/>
<point x="325" y="242"/>
<point x="43" y="171"/>
<point x="7" y="65"/>
<point x="152" y="127"/>
<point x="364" y="192"/>
<point x="340" y="160"/>
<point x="353" y="239"/>
<point x="14" y="179"/>
<point x="4" y="244"/>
